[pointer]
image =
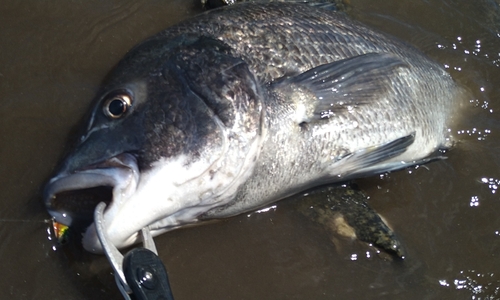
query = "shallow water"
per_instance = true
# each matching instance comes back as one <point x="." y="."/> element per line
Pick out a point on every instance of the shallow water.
<point x="53" y="56"/>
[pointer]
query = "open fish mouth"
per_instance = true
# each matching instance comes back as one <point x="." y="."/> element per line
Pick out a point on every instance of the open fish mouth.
<point x="71" y="196"/>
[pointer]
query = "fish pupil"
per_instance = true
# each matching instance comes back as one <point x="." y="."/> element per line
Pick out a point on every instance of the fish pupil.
<point x="117" y="107"/>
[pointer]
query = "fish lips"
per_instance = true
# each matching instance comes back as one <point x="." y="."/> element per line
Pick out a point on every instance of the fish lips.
<point x="71" y="196"/>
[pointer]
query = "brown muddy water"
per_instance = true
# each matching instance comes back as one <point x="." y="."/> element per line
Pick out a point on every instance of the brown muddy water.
<point x="53" y="55"/>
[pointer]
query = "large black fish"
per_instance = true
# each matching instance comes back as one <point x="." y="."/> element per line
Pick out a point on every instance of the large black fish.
<point x="245" y="105"/>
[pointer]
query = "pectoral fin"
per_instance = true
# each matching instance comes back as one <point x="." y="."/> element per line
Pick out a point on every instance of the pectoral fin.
<point x="344" y="84"/>
<point x="374" y="160"/>
<point x="370" y="160"/>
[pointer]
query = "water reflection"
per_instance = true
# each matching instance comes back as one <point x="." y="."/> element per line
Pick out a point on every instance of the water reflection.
<point x="53" y="58"/>
<point x="477" y="283"/>
<point x="492" y="183"/>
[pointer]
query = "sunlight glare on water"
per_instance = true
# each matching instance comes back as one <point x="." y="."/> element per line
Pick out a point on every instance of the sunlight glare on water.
<point x="55" y="54"/>
<point x="492" y="183"/>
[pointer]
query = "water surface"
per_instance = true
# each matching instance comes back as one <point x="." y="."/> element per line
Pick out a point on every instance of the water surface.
<point x="53" y="56"/>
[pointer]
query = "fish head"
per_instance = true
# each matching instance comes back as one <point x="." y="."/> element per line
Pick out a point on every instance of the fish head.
<point x="173" y="133"/>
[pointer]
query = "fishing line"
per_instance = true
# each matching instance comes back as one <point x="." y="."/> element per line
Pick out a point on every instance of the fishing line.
<point x="47" y="221"/>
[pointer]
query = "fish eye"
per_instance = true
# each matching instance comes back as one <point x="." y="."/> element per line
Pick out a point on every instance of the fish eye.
<point x="116" y="106"/>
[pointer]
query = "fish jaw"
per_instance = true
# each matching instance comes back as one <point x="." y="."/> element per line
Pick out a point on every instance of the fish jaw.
<point x="175" y="189"/>
<point x="173" y="193"/>
<point x="67" y="197"/>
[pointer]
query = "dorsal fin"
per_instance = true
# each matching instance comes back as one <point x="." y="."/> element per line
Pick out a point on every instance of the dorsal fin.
<point x="345" y="83"/>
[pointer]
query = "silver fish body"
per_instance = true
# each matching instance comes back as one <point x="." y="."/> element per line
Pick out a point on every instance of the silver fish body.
<point x="245" y="105"/>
